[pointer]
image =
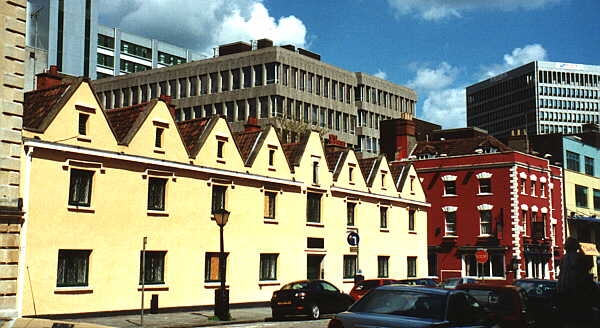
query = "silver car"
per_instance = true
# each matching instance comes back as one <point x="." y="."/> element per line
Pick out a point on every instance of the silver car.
<point x="406" y="306"/>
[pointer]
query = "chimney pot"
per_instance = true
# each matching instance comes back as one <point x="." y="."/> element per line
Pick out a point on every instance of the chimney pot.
<point x="251" y="125"/>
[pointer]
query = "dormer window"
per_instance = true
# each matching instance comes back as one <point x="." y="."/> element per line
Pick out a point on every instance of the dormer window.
<point x="158" y="138"/>
<point x="315" y="173"/>
<point x="220" y="144"/>
<point x="271" y="157"/>
<point x="83" y="122"/>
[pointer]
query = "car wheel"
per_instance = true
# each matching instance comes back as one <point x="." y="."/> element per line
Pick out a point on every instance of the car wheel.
<point x="315" y="312"/>
<point x="276" y="315"/>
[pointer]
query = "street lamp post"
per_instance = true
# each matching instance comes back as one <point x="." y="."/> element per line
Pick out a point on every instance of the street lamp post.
<point x="222" y="294"/>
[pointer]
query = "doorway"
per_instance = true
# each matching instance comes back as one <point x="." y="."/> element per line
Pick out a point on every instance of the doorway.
<point x="314" y="266"/>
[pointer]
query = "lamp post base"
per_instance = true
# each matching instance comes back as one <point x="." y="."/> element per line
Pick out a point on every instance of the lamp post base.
<point x="222" y="304"/>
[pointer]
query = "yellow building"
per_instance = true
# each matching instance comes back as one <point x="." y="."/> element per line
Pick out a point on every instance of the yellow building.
<point x="95" y="183"/>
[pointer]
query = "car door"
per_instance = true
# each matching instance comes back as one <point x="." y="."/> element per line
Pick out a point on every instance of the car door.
<point x="335" y="300"/>
<point x="465" y="311"/>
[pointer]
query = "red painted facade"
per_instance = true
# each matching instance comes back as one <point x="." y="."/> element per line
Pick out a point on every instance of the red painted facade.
<point x="514" y="252"/>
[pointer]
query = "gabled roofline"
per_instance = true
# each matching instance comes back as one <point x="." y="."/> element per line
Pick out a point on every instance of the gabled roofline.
<point x="53" y="112"/>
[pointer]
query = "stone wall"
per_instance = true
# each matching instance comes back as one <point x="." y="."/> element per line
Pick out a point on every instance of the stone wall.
<point x="12" y="68"/>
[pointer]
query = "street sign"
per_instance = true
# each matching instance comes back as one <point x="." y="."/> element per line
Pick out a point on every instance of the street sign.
<point x="481" y="256"/>
<point x="353" y="238"/>
<point x="353" y="249"/>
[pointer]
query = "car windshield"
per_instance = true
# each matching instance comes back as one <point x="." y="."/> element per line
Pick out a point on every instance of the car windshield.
<point x="402" y="302"/>
<point x="537" y="288"/>
<point x="366" y="285"/>
<point x="296" y="285"/>
<point x="498" y="301"/>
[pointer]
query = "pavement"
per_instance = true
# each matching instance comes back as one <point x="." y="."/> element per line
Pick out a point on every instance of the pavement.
<point x="200" y="318"/>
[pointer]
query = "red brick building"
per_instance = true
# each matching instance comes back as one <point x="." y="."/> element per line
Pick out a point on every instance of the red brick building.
<point x="483" y="195"/>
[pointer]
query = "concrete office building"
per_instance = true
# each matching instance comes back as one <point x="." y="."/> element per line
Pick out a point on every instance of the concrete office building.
<point x="283" y="86"/>
<point x="67" y="34"/>
<point x="539" y="97"/>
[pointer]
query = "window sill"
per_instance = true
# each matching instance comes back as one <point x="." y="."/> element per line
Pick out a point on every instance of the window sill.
<point x="84" y="138"/>
<point x="318" y="225"/>
<point x="159" y="151"/>
<point x="156" y="213"/>
<point x="485" y="236"/>
<point x="213" y="285"/>
<point x="412" y="232"/>
<point x="450" y="195"/>
<point x="485" y="194"/>
<point x="151" y="287"/>
<point x="270" y="221"/>
<point x="348" y="281"/>
<point x="268" y="283"/>
<point x="353" y="228"/>
<point x="72" y="208"/>
<point x="384" y="230"/>
<point x="74" y="290"/>
<point x="450" y="237"/>
<point x="220" y="161"/>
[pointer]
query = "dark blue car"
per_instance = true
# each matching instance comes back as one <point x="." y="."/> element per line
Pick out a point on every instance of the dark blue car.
<point x="413" y="307"/>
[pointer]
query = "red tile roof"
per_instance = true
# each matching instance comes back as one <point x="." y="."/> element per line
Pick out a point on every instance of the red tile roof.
<point x="293" y="152"/>
<point x="332" y="158"/>
<point x="366" y="166"/>
<point x="124" y="119"/>
<point x="39" y="104"/>
<point x="245" y="142"/>
<point x="462" y="146"/>
<point x="399" y="173"/>
<point x="191" y="131"/>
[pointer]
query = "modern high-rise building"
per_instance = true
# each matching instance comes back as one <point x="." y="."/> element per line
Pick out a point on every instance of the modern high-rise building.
<point x="280" y="85"/>
<point x="540" y="97"/>
<point x="67" y="34"/>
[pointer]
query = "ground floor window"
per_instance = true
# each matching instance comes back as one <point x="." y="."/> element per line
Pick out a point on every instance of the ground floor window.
<point x="153" y="271"/>
<point x="382" y="266"/>
<point x="349" y="266"/>
<point x="411" y="264"/>
<point x="535" y="268"/>
<point x="211" y="266"/>
<point x="494" y="267"/>
<point x="73" y="267"/>
<point x="268" y="266"/>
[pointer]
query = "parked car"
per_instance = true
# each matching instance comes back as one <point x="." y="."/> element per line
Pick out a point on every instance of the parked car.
<point x="452" y="283"/>
<point x="427" y="282"/>
<point x="541" y="299"/>
<point x="309" y="297"/>
<point x="364" y="286"/>
<point x="410" y="306"/>
<point x="507" y="304"/>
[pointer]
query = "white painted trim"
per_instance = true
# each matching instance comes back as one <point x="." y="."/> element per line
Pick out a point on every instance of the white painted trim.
<point x="449" y="208"/>
<point x="485" y="207"/>
<point x="449" y="177"/>
<point x="543" y="179"/>
<point x="523" y="175"/>
<point x="524" y="207"/>
<point x="136" y="60"/>
<point x="23" y="234"/>
<point x="484" y="175"/>
<point x="543" y="210"/>
<point x="379" y="196"/>
<point x="534" y="208"/>
<point x="533" y="177"/>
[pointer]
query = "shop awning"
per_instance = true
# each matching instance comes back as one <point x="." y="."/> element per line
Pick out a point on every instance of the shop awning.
<point x="589" y="249"/>
<point x="585" y="218"/>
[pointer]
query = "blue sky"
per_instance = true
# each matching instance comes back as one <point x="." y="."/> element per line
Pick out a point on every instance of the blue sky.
<point x="437" y="47"/>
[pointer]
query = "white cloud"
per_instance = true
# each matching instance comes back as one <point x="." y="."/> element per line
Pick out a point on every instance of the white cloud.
<point x="518" y="57"/>
<point x="436" y="78"/>
<point x="445" y="107"/>
<point x="381" y="74"/>
<point x="202" y="25"/>
<point x="440" y="9"/>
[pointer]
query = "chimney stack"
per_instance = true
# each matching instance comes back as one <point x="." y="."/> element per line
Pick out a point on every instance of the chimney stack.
<point x="397" y="138"/>
<point x="48" y="79"/>
<point x="519" y="141"/>
<point x="334" y="145"/>
<point x="251" y="125"/>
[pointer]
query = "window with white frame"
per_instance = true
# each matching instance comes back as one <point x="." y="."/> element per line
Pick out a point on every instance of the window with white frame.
<point x="524" y="221"/>
<point x="450" y="221"/>
<point x="493" y="268"/>
<point x="449" y="184"/>
<point x="485" y="222"/>
<point x="533" y="185"/>
<point x="485" y="182"/>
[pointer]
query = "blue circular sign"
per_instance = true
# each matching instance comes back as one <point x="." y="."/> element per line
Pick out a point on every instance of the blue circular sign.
<point x="353" y="238"/>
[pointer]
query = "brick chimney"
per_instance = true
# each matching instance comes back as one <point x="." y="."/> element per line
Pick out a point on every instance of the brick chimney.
<point x="334" y="145"/>
<point x="251" y="125"/>
<point x="519" y="141"/>
<point x="49" y="79"/>
<point x="397" y="138"/>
